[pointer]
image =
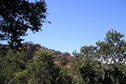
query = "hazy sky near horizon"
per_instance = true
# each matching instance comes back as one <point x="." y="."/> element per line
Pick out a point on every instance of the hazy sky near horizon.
<point x="76" y="23"/>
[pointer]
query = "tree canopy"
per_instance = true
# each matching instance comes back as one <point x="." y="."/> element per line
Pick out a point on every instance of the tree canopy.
<point x="17" y="16"/>
<point x="103" y="63"/>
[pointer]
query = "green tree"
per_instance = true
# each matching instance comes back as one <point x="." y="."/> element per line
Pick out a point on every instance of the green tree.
<point x="10" y="64"/>
<point x="86" y="66"/>
<point x="112" y="52"/>
<point x="113" y="47"/>
<point x="88" y="52"/>
<point x="17" y="16"/>
<point x="43" y="70"/>
<point x="99" y="65"/>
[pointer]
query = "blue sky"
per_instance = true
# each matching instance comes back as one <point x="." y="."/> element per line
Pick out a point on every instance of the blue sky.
<point x="76" y="23"/>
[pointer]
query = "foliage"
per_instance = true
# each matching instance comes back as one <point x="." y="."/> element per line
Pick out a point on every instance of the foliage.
<point x="10" y="64"/>
<point x="103" y="63"/>
<point x="41" y="69"/>
<point x="113" y="47"/>
<point x="17" y="16"/>
<point x="3" y="50"/>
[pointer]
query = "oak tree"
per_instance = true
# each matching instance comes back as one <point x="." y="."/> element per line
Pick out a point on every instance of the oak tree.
<point x="18" y="16"/>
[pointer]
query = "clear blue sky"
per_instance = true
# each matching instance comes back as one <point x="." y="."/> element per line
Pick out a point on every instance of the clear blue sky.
<point x="76" y="23"/>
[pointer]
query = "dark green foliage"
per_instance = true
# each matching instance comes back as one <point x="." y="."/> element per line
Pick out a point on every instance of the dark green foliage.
<point x="15" y="68"/>
<point x="99" y="65"/>
<point x="3" y="50"/>
<point x="17" y="16"/>
<point x="10" y="64"/>
<point x="114" y="75"/>
<point x="30" y="49"/>
<point x="46" y="71"/>
<point x="113" y="46"/>
<point x="44" y="68"/>
<point x="88" y="73"/>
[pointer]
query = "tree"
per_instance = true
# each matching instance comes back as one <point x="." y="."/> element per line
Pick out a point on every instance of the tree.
<point x="113" y="47"/>
<point x="43" y="70"/>
<point x="86" y="67"/>
<point x="104" y="63"/>
<point x="10" y="64"/>
<point x="18" y="16"/>
<point x="88" y="51"/>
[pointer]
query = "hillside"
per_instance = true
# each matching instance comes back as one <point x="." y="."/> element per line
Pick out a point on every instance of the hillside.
<point x="62" y="59"/>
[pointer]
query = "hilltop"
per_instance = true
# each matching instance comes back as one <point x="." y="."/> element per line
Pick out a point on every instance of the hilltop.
<point x="60" y="58"/>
